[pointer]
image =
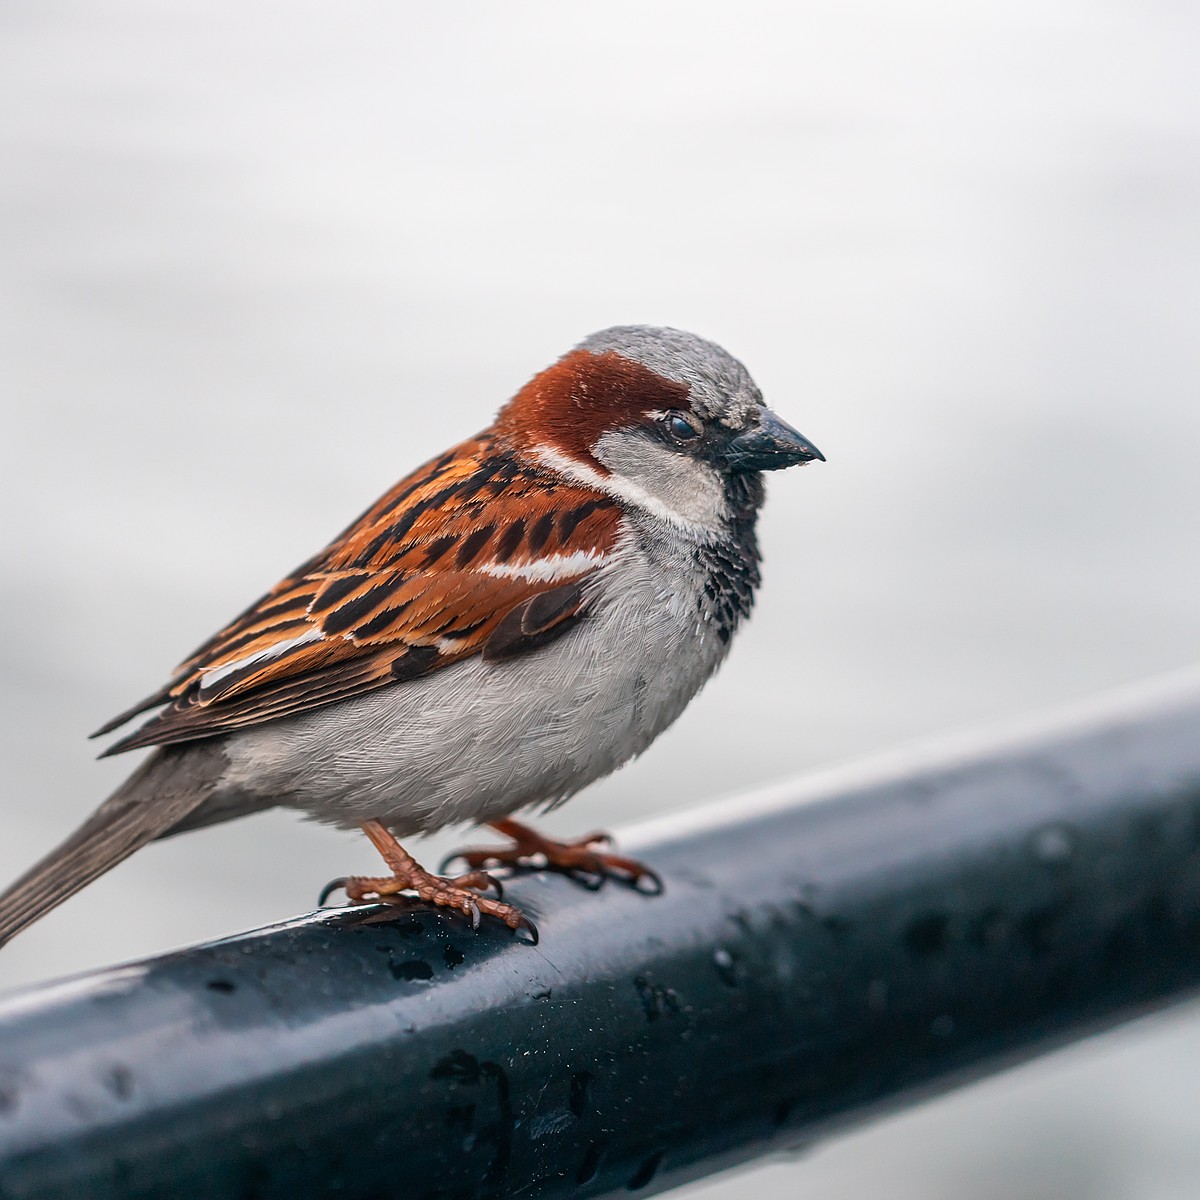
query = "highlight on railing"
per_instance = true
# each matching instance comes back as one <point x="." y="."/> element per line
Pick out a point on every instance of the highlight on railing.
<point x="825" y="950"/>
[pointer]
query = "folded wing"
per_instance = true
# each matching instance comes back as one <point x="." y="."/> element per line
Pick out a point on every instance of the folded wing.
<point x="472" y="554"/>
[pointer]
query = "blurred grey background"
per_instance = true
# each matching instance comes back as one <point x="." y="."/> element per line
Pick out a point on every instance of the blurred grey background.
<point x="257" y="260"/>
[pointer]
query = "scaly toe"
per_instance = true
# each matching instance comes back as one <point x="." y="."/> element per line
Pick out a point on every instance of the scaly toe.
<point x="586" y="860"/>
<point x="479" y="881"/>
<point x="512" y="916"/>
<point x="365" y="889"/>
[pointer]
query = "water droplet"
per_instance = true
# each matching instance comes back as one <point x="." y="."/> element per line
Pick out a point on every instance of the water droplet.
<point x="1053" y="845"/>
<point x="726" y="967"/>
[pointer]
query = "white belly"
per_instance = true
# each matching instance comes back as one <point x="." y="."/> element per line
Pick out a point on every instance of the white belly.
<point x="476" y="741"/>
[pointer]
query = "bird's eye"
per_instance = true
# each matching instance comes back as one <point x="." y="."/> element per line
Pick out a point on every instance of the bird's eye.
<point x="680" y="428"/>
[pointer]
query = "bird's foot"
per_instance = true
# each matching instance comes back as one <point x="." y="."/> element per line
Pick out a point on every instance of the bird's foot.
<point x="462" y="892"/>
<point x="459" y="893"/>
<point x="584" y="859"/>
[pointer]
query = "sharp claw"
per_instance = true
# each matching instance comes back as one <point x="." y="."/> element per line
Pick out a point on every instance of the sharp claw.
<point x="592" y="880"/>
<point x="530" y="928"/>
<point x="656" y="888"/>
<point x="469" y="859"/>
<point x="473" y="860"/>
<point x="472" y="910"/>
<point x="328" y="890"/>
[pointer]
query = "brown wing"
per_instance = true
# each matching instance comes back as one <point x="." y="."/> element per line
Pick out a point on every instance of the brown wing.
<point x="470" y="548"/>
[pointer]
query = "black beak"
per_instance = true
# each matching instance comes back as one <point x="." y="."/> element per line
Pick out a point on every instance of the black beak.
<point x="769" y="446"/>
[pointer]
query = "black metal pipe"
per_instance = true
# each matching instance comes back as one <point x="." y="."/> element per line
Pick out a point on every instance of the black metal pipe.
<point x="822" y="951"/>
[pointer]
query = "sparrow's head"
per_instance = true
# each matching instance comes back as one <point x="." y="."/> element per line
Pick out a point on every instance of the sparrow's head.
<point x="658" y="418"/>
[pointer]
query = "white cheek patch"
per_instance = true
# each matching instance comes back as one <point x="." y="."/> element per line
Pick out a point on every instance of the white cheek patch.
<point x="690" y="493"/>
<point x="699" y="514"/>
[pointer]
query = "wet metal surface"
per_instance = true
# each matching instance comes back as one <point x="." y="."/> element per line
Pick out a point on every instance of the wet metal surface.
<point x="815" y="958"/>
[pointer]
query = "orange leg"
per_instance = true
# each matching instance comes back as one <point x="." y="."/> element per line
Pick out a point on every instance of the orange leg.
<point x="581" y="858"/>
<point x="461" y="893"/>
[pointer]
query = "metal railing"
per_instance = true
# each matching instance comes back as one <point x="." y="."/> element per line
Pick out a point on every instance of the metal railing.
<point x="824" y="951"/>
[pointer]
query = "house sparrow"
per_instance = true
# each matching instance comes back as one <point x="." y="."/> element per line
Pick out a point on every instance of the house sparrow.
<point x="517" y="618"/>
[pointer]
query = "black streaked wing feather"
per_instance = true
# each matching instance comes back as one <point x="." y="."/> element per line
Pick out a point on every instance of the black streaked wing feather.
<point x="441" y="568"/>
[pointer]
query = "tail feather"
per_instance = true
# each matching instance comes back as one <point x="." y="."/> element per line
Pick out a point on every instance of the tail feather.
<point x="156" y="797"/>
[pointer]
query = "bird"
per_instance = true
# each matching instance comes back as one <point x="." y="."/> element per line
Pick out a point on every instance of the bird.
<point x="514" y="620"/>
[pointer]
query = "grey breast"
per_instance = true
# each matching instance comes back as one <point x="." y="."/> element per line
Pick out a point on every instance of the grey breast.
<point x="476" y="740"/>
